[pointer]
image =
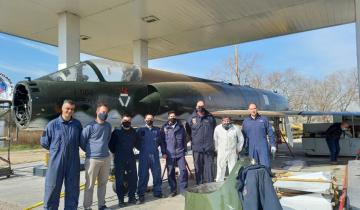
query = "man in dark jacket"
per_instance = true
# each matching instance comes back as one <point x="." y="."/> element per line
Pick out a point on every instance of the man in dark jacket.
<point x="200" y="126"/>
<point x="333" y="134"/>
<point x="122" y="143"/>
<point x="175" y="139"/>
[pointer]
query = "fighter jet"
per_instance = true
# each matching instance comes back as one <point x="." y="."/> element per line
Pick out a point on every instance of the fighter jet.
<point x="129" y="89"/>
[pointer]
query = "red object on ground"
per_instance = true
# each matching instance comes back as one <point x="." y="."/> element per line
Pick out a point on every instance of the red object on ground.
<point x="344" y="191"/>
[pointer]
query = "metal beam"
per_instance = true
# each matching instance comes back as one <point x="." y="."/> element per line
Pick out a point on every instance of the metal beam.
<point x="357" y="26"/>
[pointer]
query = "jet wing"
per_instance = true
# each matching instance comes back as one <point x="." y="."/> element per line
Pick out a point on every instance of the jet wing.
<point x="237" y="113"/>
<point x="318" y="113"/>
<point x="282" y="114"/>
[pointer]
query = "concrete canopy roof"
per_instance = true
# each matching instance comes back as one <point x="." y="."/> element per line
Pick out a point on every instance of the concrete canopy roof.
<point x="183" y="25"/>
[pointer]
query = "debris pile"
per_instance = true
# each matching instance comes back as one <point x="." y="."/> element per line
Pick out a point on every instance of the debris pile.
<point x="304" y="190"/>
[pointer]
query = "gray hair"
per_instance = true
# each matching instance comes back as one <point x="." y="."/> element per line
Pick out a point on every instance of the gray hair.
<point x="68" y="101"/>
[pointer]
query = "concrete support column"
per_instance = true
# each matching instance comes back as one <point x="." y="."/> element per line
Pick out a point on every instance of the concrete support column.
<point x="68" y="39"/>
<point x="357" y="26"/>
<point x="140" y="50"/>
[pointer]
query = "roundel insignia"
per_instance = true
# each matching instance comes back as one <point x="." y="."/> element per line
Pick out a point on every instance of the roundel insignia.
<point x="6" y="88"/>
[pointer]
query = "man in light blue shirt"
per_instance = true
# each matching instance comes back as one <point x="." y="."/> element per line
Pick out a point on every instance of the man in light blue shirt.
<point x="94" y="141"/>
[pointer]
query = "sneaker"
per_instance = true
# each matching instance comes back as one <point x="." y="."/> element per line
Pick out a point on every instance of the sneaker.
<point x="141" y="199"/>
<point x="104" y="208"/>
<point x="132" y="200"/>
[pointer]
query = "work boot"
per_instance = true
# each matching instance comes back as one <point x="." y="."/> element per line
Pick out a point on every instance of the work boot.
<point x="104" y="208"/>
<point x="158" y="196"/>
<point x="132" y="201"/>
<point x="141" y="199"/>
<point x="122" y="204"/>
<point x="173" y="193"/>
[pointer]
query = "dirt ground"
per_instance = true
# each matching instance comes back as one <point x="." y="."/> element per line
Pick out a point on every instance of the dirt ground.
<point x="26" y="156"/>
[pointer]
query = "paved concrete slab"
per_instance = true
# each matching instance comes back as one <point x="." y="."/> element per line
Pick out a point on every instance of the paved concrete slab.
<point x="353" y="191"/>
<point x="23" y="189"/>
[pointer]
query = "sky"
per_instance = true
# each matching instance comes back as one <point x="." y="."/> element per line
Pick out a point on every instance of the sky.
<point x="313" y="53"/>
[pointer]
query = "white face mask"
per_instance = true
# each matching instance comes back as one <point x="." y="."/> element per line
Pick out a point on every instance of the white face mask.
<point x="343" y="129"/>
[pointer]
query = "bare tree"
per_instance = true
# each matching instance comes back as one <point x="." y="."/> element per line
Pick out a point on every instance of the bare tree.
<point x="334" y="92"/>
<point x="238" y="69"/>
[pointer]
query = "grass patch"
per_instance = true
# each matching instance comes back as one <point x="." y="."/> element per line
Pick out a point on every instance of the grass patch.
<point x="20" y="147"/>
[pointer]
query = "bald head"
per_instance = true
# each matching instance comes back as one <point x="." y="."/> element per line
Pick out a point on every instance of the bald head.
<point x="252" y="110"/>
<point x="200" y="107"/>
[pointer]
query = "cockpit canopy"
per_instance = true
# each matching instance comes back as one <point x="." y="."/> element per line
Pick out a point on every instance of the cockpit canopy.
<point x="97" y="71"/>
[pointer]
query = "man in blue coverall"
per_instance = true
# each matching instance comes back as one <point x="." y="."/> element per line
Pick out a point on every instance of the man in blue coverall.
<point x="175" y="139"/>
<point x="150" y="138"/>
<point x="256" y="128"/>
<point x="122" y="144"/>
<point x="62" y="138"/>
<point x="200" y="126"/>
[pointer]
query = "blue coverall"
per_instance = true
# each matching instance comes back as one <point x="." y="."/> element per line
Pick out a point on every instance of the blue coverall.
<point x="149" y="141"/>
<point x="175" y="139"/>
<point x="255" y="134"/>
<point x="62" y="139"/>
<point x="201" y="129"/>
<point x="122" y="143"/>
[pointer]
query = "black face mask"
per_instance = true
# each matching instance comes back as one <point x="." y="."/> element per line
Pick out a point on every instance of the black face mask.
<point x="200" y="109"/>
<point x="103" y="116"/>
<point x="226" y="126"/>
<point x="126" y="124"/>
<point x="172" y="121"/>
<point x="149" y="122"/>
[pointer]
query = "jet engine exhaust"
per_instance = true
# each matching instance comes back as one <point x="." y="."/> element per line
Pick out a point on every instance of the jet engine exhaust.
<point x="22" y="105"/>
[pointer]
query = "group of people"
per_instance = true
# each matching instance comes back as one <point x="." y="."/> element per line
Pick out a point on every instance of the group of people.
<point x="226" y="141"/>
<point x="64" y="135"/>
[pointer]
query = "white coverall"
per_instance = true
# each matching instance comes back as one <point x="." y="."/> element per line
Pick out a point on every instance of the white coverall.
<point x="227" y="144"/>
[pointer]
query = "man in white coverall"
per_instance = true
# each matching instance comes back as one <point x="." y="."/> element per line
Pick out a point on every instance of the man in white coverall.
<point x="228" y="143"/>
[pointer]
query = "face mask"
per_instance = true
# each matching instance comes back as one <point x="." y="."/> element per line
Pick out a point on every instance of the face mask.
<point x="149" y="122"/>
<point x="226" y="126"/>
<point x="172" y="121"/>
<point x="344" y="129"/>
<point x="126" y="124"/>
<point x="200" y="109"/>
<point x="103" y="116"/>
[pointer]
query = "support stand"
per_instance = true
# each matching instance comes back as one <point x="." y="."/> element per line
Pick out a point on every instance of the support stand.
<point x="280" y="138"/>
<point x="5" y="114"/>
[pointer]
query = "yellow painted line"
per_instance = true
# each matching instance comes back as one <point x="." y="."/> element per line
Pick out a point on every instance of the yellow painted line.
<point x="82" y="186"/>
